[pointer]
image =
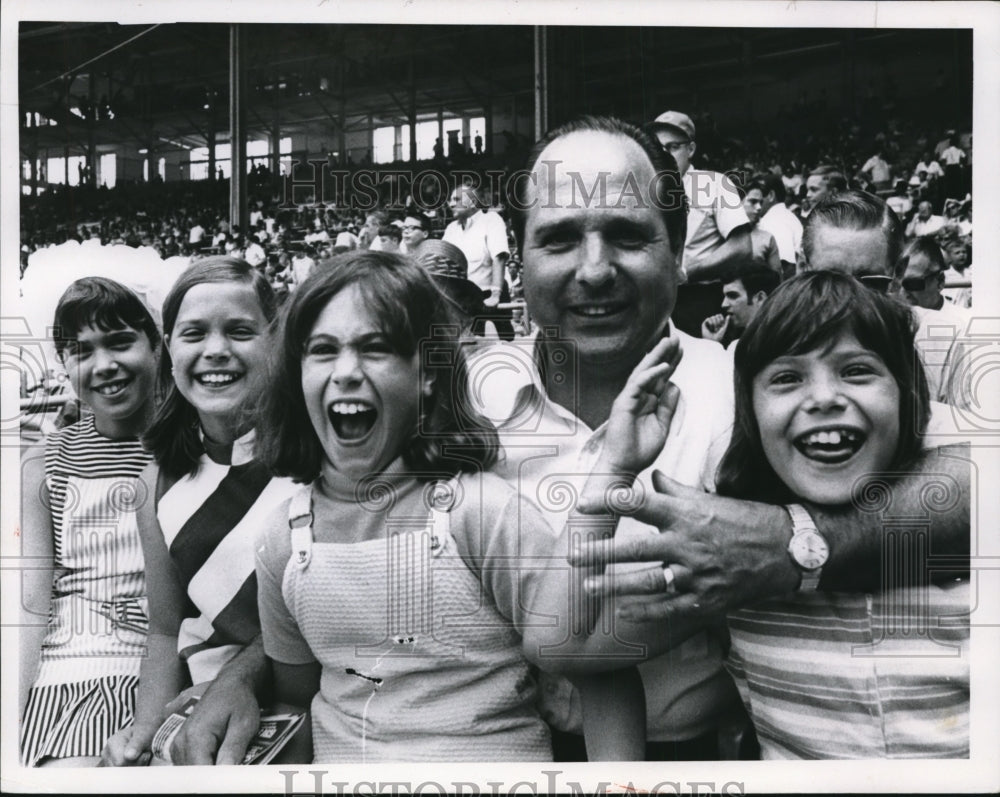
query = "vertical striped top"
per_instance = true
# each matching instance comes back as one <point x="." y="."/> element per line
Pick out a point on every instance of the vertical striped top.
<point x="210" y="520"/>
<point x="828" y="675"/>
<point x="97" y="619"/>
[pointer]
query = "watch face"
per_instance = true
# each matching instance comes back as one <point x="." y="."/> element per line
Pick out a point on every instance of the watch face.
<point x="809" y="549"/>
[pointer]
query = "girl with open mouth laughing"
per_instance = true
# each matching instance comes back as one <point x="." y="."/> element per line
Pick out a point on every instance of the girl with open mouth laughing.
<point x="829" y="392"/>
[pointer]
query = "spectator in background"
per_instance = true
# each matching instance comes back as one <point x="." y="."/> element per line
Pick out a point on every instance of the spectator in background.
<point x="878" y="171"/>
<point x="953" y="158"/>
<point x="958" y="255"/>
<point x="928" y="164"/>
<point x="925" y="222"/>
<point x="923" y="268"/>
<point x="368" y="235"/>
<point x="765" y="248"/>
<point x="954" y="223"/>
<point x="718" y="229"/>
<point x="482" y="237"/>
<point x="416" y="230"/>
<point x="741" y="299"/>
<point x="823" y="181"/>
<point x="857" y="233"/>
<point x="778" y="220"/>
<point x="254" y="253"/>
<point x="389" y="236"/>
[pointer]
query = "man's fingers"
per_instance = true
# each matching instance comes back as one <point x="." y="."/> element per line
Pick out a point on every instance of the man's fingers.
<point x="238" y="735"/>
<point x="650" y="581"/>
<point x="193" y="747"/>
<point x="643" y="610"/>
<point x="633" y="549"/>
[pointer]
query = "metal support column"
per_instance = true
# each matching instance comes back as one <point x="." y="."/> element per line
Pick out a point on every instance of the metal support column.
<point x="541" y="82"/>
<point x="238" y="213"/>
<point x="412" y="156"/>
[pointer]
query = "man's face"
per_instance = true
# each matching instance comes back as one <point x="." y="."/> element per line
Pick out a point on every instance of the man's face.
<point x="857" y="252"/>
<point x="753" y="204"/>
<point x="462" y="203"/>
<point x="815" y="189"/>
<point x="413" y="233"/>
<point x="736" y="305"/>
<point x="922" y="283"/>
<point x="677" y="143"/>
<point x="601" y="270"/>
<point x="924" y="211"/>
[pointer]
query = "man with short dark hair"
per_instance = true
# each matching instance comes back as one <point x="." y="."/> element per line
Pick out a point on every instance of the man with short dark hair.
<point x="741" y="299"/>
<point x="778" y="220"/>
<point x="416" y="229"/>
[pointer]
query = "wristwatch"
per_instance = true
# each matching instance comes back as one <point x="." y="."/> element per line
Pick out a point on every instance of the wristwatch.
<point x="807" y="548"/>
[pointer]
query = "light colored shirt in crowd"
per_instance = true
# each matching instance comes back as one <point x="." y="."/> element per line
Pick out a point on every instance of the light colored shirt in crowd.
<point x="715" y="211"/>
<point x="483" y="239"/>
<point x="878" y="168"/>
<point x="254" y="254"/>
<point x="786" y="229"/>
<point x="952" y="156"/>
<point x="302" y="265"/>
<point x="918" y="227"/>
<point x="196" y="234"/>
<point x="549" y="453"/>
<point x="932" y="167"/>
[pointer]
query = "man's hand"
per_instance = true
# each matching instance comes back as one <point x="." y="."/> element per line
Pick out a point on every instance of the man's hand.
<point x="641" y="414"/>
<point x="715" y="326"/>
<point x="724" y="554"/>
<point x="493" y="299"/>
<point x="221" y="726"/>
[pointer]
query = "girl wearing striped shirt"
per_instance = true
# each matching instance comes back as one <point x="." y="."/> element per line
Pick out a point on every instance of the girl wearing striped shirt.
<point x="81" y="496"/>
<point x="210" y="492"/>
<point x="828" y="392"/>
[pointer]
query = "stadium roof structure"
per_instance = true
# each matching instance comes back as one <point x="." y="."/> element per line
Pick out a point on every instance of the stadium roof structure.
<point x="166" y="86"/>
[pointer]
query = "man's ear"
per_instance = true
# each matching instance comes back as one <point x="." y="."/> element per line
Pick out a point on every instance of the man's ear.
<point x="758" y="298"/>
<point x="693" y="146"/>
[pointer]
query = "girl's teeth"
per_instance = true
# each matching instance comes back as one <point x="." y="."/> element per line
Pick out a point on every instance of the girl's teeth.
<point x="217" y="379"/>
<point x="345" y="408"/>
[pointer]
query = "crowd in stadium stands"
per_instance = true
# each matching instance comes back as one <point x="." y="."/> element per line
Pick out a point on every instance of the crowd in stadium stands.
<point x="817" y="283"/>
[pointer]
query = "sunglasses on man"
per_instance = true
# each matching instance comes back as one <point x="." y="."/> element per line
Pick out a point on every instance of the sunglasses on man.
<point x="876" y="282"/>
<point x="675" y="146"/>
<point x="917" y="284"/>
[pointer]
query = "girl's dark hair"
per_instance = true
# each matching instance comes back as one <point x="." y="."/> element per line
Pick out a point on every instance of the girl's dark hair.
<point x="173" y="436"/>
<point x="807" y="312"/>
<point x="414" y="315"/>
<point x="101" y="303"/>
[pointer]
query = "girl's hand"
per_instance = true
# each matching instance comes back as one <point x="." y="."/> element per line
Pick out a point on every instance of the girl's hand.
<point x="128" y="748"/>
<point x="641" y="414"/>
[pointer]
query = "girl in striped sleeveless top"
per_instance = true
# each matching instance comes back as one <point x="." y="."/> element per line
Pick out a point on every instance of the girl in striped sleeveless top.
<point x="210" y="493"/>
<point x="829" y="391"/>
<point x="81" y="496"/>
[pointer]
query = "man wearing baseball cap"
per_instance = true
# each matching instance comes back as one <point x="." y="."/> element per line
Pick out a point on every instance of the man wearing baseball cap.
<point x="718" y="243"/>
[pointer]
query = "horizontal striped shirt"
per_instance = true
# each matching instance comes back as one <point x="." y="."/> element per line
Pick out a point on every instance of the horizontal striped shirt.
<point x="828" y="675"/>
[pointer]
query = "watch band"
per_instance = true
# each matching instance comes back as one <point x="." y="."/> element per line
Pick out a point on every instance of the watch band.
<point x="802" y="523"/>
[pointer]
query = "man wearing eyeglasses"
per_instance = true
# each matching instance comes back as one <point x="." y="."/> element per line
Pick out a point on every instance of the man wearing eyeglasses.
<point x="718" y="239"/>
<point x="416" y="230"/>
<point x="859" y="233"/>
